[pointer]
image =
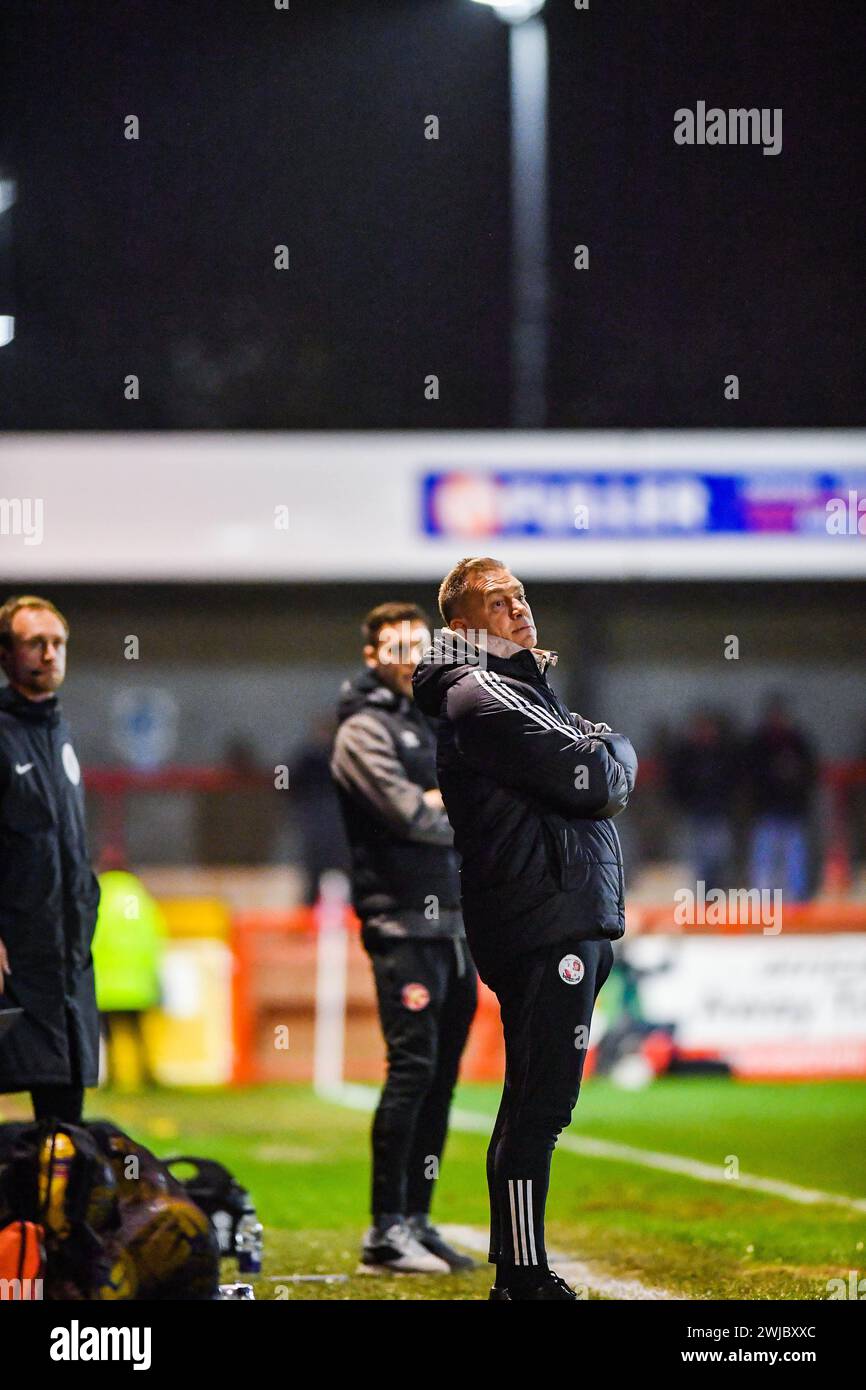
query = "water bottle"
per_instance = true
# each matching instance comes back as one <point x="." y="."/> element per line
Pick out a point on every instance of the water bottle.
<point x="248" y="1239"/>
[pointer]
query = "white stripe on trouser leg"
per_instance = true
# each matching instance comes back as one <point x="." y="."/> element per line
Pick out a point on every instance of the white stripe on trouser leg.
<point x="530" y="1221"/>
<point x="513" y="1222"/>
<point x="525" y="1259"/>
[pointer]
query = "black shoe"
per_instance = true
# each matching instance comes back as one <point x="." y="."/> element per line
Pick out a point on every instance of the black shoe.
<point x="430" y="1238"/>
<point x="553" y="1288"/>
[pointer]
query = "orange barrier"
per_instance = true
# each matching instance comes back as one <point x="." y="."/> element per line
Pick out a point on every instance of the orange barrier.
<point x="271" y="946"/>
<point x="484" y="1058"/>
<point x="274" y="990"/>
<point x="274" y="987"/>
<point x="280" y="920"/>
<point x="804" y="918"/>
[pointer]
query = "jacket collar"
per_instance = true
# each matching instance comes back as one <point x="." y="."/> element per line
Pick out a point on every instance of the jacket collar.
<point x="367" y="691"/>
<point x="33" y="711"/>
<point x="506" y="650"/>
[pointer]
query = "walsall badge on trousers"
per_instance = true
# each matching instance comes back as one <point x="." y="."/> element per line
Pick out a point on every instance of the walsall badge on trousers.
<point x="415" y="996"/>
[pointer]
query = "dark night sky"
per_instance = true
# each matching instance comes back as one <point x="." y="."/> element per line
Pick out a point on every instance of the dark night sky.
<point x="306" y="127"/>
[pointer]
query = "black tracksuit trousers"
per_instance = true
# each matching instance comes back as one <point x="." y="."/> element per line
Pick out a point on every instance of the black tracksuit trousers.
<point x="427" y="991"/>
<point x="546" y="999"/>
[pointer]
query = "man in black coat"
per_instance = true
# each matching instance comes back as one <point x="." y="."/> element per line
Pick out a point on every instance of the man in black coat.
<point x="531" y="791"/>
<point x="406" y="892"/>
<point x="48" y="892"/>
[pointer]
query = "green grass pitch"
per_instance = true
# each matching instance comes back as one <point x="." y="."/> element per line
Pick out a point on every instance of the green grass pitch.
<point x="306" y="1163"/>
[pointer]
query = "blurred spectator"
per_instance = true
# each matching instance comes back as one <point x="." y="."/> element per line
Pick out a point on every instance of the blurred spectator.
<point x="783" y="776"/>
<point x="855" y="807"/>
<point x="650" y="821"/>
<point x="703" y="774"/>
<point x="316" y="808"/>
<point x="237" y="826"/>
<point x="127" y="949"/>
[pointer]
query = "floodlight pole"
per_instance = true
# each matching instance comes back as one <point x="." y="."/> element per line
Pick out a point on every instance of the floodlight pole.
<point x="528" y="64"/>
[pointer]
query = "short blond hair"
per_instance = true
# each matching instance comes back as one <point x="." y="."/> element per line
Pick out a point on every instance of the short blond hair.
<point x="459" y="580"/>
<point x="14" y="605"/>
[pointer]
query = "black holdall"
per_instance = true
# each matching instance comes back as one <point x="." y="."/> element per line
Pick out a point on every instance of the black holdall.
<point x="228" y="1206"/>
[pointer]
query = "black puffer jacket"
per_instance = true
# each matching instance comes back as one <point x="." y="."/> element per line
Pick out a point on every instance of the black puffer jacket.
<point x="404" y="869"/>
<point x="48" y="900"/>
<point x="531" y="791"/>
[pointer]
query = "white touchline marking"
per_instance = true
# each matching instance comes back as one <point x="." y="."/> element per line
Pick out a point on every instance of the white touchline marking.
<point x="305" y="1278"/>
<point x="366" y="1097"/>
<point x="706" y="1172"/>
<point x="573" y="1271"/>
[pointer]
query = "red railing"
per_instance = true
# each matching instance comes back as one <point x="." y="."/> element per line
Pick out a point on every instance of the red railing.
<point x="115" y="785"/>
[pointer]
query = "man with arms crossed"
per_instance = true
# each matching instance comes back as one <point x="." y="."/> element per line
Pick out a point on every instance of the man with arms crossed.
<point x="531" y="791"/>
<point x="48" y="892"/>
<point x="406" y="892"/>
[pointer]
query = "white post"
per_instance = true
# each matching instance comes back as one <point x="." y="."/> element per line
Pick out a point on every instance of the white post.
<point x="331" y="959"/>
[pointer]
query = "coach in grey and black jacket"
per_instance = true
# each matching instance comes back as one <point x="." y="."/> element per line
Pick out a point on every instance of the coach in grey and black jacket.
<point x="404" y="869"/>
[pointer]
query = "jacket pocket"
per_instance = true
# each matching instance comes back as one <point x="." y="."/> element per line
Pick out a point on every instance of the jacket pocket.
<point x="555" y="849"/>
<point x="566" y="856"/>
<point x="572" y="853"/>
<point x="610" y="834"/>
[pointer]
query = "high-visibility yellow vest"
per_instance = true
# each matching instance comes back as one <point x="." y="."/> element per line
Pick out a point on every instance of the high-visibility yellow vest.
<point x="127" y="944"/>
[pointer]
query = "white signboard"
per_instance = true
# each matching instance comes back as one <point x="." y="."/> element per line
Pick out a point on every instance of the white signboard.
<point x="770" y="1006"/>
<point x="311" y="506"/>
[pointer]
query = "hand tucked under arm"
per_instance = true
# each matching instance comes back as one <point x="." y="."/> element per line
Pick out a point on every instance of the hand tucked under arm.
<point x="586" y="726"/>
<point x="365" y="764"/>
<point x="523" y="747"/>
